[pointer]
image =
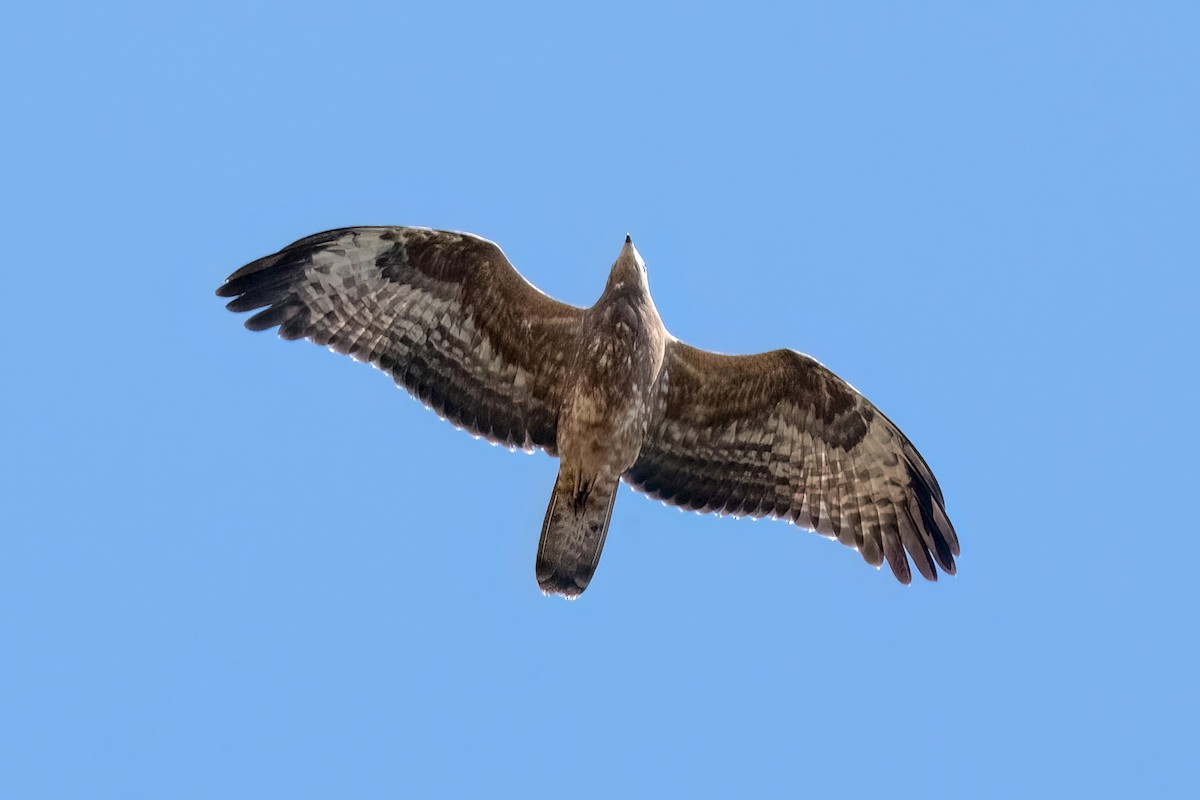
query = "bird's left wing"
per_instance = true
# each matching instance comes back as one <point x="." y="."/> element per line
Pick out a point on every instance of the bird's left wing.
<point x="444" y="313"/>
<point x="778" y="434"/>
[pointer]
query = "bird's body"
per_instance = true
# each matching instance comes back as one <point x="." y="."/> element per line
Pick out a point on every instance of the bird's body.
<point x="605" y="413"/>
<point x="608" y="391"/>
<point x="617" y="361"/>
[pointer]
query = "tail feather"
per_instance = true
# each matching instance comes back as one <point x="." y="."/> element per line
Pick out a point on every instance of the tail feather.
<point x="573" y="533"/>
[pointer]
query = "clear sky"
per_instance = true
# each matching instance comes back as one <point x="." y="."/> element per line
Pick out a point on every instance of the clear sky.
<point x="232" y="566"/>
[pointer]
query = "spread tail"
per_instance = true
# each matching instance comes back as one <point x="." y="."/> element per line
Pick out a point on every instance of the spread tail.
<point x="573" y="533"/>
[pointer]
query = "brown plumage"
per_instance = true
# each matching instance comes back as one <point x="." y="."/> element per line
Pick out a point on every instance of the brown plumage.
<point x="608" y="391"/>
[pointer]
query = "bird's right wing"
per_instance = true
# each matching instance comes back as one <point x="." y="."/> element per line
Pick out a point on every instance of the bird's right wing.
<point x="778" y="434"/>
<point x="444" y="313"/>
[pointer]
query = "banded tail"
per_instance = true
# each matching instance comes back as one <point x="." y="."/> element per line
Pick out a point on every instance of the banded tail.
<point x="573" y="533"/>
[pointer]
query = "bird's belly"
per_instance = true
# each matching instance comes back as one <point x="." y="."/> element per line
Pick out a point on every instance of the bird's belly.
<point x="600" y="429"/>
<point x="606" y="407"/>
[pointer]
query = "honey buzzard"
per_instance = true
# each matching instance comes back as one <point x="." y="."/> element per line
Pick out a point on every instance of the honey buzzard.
<point x="608" y="391"/>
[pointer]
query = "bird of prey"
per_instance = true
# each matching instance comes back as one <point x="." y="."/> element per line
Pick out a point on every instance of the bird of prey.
<point x="608" y="391"/>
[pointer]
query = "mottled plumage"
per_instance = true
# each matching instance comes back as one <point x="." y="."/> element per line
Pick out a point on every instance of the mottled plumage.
<point x="608" y="391"/>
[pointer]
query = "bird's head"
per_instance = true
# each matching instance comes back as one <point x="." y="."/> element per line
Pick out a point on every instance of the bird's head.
<point x="628" y="271"/>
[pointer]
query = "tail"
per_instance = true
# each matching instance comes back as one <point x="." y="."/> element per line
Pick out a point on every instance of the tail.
<point x="573" y="533"/>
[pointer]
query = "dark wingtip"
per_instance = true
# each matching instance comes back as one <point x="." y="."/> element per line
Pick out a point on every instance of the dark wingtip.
<point x="275" y="315"/>
<point x="628" y="239"/>
<point x="929" y="518"/>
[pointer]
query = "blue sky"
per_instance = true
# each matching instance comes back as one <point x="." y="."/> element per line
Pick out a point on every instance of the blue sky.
<point x="232" y="566"/>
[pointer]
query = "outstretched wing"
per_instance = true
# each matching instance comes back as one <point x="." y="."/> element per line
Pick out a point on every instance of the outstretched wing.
<point x="444" y="313"/>
<point x="779" y="435"/>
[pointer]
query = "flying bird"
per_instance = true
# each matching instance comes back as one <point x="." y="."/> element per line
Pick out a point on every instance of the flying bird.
<point x="609" y="392"/>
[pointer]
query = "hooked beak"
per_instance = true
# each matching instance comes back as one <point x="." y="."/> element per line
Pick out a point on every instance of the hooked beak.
<point x="629" y="251"/>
